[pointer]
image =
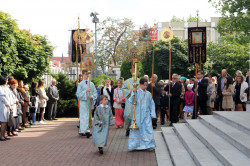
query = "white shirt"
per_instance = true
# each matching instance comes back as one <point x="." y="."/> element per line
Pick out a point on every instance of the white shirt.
<point x="104" y="106"/>
<point x="105" y="91"/>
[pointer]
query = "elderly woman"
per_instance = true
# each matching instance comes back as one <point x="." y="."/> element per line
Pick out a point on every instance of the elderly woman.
<point x="5" y="106"/>
<point x="14" y="103"/>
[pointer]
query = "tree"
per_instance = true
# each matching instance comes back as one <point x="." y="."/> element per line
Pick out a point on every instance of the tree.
<point x="176" y="19"/>
<point x="115" y="34"/>
<point x="235" y="21"/>
<point x="194" y="19"/>
<point x="228" y="56"/>
<point x="22" y="54"/>
<point x="179" y="59"/>
<point x="126" y="69"/>
<point x="8" y="52"/>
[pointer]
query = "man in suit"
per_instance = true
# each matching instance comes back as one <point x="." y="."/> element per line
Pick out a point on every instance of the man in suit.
<point x="174" y="94"/>
<point x="52" y="103"/>
<point x="155" y="88"/>
<point x="201" y="92"/>
<point x="220" y="83"/>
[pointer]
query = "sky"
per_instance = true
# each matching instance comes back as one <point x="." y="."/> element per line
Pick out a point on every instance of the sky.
<point x="54" y="18"/>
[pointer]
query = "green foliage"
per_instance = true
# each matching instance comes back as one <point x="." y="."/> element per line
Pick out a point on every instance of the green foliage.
<point x="194" y="19"/>
<point x="66" y="87"/>
<point x="126" y="69"/>
<point x="179" y="59"/>
<point x="189" y="19"/>
<point x="8" y="52"/>
<point x="101" y="80"/>
<point x="22" y="54"/>
<point x="232" y="57"/>
<point x="177" y="19"/>
<point x="67" y="108"/>
<point x="235" y="21"/>
<point x="67" y="104"/>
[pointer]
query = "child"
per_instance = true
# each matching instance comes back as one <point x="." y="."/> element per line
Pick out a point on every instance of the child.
<point x="189" y="99"/>
<point x="164" y="105"/>
<point x="102" y="119"/>
<point x="118" y="100"/>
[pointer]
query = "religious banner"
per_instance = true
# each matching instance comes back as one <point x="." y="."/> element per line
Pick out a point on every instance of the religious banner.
<point x="197" y="45"/>
<point x="80" y="46"/>
<point x="154" y="34"/>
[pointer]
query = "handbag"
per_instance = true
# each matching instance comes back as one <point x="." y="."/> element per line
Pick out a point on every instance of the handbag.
<point x="11" y="120"/>
<point x="122" y="104"/>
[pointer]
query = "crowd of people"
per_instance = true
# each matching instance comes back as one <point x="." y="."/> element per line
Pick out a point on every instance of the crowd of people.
<point x="152" y="100"/>
<point x="168" y="101"/>
<point x="21" y="107"/>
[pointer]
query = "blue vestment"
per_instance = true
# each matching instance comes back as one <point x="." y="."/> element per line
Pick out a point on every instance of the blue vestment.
<point x="103" y="116"/>
<point x="83" y="98"/>
<point x="145" y="110"/>
<point x="127" y="88"/>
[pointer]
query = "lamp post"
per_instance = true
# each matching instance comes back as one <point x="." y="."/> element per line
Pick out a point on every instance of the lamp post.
<point x="95" y="20"/>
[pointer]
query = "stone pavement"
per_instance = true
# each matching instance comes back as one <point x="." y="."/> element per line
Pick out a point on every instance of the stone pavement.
<point x="58" y="143"/>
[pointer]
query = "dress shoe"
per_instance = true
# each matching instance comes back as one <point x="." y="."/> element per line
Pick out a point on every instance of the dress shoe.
<point x="82" y="134"/>
<point x="100" y="150"/>
<point x="88" y="135"/>
<point x="7" y="138"/>
<point x="127" y="132"/>
<point x="55" y="119"/>
<point x="2" y="139"/>
<point x="10" y="135"/>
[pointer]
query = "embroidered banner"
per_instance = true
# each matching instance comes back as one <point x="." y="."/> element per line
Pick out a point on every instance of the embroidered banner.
<point x="197" y="45"/>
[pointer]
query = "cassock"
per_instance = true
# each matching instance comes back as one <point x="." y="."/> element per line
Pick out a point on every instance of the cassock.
<point x="145" y="110"/>
<point x="104" y="116"/>
<point x="83" y="98"/>
<point x="127" y="87"/>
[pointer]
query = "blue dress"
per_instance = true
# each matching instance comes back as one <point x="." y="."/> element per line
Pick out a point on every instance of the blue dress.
<point x="103" y="115"/>
<point x="145" y="110"/>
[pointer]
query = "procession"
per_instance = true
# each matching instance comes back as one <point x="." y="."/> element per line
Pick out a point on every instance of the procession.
<point x="130" y="88"/>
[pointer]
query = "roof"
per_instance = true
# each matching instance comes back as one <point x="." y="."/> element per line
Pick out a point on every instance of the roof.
<point x="65" y="59"/>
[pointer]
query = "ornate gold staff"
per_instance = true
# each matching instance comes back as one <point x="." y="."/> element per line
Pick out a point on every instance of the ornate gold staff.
<point x="90" y="110"/>
<point x="134" y="126"/>
<point x="167" y="35"/>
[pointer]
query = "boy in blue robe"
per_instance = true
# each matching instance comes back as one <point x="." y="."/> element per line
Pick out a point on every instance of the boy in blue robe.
<point x="102" y="119"/>
<point x="142" y="138"/>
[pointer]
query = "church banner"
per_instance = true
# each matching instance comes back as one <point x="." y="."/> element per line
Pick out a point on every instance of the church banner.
<point x="197" y="45"/>
<point x="80" y="47"/>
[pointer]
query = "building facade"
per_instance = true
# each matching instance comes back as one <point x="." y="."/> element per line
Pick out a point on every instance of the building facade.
<point x="181" y="29"/>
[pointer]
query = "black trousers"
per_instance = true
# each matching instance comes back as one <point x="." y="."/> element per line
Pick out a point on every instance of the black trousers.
<point x="202" y="104"/>
<point x="163" y="115"/>
<point x="52" y="109"/>
<point x="41" y="113"/>
<point x="154" y="120"/>
<point x="174" y="112"/>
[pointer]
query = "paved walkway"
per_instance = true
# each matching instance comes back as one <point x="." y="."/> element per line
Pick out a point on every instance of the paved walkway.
<point x="58" y="143"/>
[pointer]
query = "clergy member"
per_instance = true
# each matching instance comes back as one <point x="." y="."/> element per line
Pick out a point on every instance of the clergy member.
<point x="83" y="97"/>
<point x="127" y="89"/>
<point x="142" y="138"/>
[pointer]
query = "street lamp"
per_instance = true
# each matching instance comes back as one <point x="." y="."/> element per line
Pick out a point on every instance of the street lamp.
<point x="95" y="20"/>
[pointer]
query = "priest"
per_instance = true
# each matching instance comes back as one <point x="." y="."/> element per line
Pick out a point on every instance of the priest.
<point x="142" y="138"/>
